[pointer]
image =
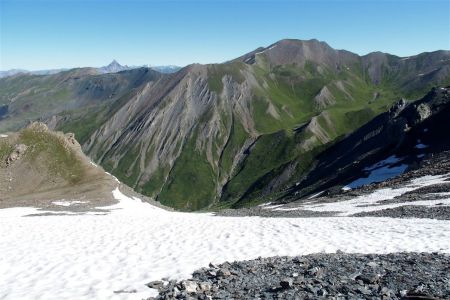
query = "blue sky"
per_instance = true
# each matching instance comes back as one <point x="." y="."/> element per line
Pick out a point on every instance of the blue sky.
<point x="38" y="34"/>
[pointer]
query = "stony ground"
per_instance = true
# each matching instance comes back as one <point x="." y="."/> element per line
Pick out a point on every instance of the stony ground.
<point x="404" y="276"/>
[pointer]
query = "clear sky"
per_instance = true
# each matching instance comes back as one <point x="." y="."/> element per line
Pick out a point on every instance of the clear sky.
<point x="38" y="34"/>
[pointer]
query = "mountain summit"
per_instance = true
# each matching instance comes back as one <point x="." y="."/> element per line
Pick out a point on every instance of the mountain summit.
<point x="113" y="67"/>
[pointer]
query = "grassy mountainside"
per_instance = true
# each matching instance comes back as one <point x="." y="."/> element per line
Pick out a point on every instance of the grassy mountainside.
<point x="239" y="133"/>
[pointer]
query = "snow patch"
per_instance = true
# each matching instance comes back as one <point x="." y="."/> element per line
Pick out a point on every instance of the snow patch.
<point x="380" y="171"/>
<point x="272" y="206"/>
<point x="114" y="177"/>
<point x="3" y="135"/>
<point x="315" y="195"/>
<point x="420" y="146"/>
<point x="68" y="203"/>
<point x="266" y="50"/>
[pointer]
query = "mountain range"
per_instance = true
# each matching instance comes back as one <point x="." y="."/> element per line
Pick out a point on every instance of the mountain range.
<point x="113" y="67"/>
<point x="262" y="127"/>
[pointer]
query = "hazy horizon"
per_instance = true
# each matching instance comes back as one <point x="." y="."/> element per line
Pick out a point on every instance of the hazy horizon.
<point x="38" y="35"/>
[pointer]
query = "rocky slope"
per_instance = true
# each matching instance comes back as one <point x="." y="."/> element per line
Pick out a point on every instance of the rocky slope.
<point x="231" y="134"/>
<point x="405" y="276"/>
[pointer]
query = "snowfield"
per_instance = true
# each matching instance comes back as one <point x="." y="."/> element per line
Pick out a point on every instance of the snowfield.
<point x="113" y="256"/>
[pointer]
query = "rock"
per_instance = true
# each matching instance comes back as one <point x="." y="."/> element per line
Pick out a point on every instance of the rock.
<point x="418" y="296"/>
<point x="155" y="284"/>
<point x="223" y="273"/>
<point x="423" y="111"/>
<point x="189" y="286"/>
<point x="368" y="278"/>
<point x="363" y="291"/>
<point x="287" y="283"/>
<point x="204" y="286"/>
<point x="70" y="137"/>
<point x="125" y="291"/>
<point x="17" y="153"/>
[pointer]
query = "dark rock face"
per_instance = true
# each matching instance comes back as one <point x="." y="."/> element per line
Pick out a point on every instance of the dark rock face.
<point x="396" y="132"/>
<point x="318" y="276"/>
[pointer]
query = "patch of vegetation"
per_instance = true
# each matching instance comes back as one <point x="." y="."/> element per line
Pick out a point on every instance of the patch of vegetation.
<point x="217" y="72"/>
<point x="82" y="122"/>
<point x="191" y="183"/>
<point x="237" y="138"/>
<point x="269" y="152"/>
<point x="5" y="150"/>
<point x="154" y="185"/>
<point x="128" y="169"/>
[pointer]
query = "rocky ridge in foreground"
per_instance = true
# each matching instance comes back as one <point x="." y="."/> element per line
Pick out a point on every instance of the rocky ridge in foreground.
<point x="405" y="276"/>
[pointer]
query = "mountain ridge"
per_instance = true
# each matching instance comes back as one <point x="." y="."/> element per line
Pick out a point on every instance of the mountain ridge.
<point x="112" y="67"/>
<point x="238" y="133"/>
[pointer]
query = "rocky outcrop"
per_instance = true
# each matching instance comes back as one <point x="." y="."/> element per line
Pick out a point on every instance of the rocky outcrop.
<point x="324" y="99"/>
<point x="16" y="154"/>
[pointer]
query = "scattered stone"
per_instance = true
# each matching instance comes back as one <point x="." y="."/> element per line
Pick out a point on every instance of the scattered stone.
<point x="406" y="276"/>
<point x="132" y="291"/>
<point x="155" y="284"/>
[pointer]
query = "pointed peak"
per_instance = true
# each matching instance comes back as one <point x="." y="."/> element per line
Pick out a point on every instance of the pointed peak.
<point x="114" y="62"/>
<point x="113" y="67"/>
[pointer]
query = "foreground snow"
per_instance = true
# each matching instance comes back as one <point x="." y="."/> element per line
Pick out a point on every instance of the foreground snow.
<point x="91" y="256"/>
